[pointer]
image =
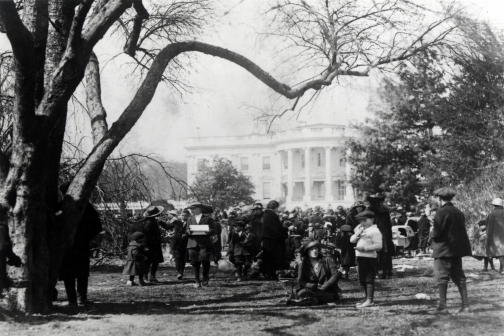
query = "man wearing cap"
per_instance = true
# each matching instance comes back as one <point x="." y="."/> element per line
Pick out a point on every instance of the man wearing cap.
<point x="199" y="247"/>
<point x="384" y="224"/>
<point x="495" y="233"/>
<point x="450" y="243"/>
<point x="368" y="240"/>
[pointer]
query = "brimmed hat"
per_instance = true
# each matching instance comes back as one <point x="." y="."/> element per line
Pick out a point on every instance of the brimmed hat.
<point x="306" y="247"/>
<point x="239" y="223"/>
<point x="186" y="211"/>
<point x="257" y="206"/>
<point x="173" y="213"/>
<point x="365" y="214"/>
<point x="153" y="211"/>
<point x="445" y="192"/>
<point x="497" y="201"/>
<point x="376" y="196"/>
<point x="195" y="205"/>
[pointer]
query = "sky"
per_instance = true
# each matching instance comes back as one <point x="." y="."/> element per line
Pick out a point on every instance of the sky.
<point x="226" y="98"/>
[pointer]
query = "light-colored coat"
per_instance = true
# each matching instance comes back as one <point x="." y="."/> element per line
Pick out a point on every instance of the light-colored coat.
<point x="370" y="239"/>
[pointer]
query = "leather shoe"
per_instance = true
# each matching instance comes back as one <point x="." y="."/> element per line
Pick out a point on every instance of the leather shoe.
<point x="365" y="304"/>
<point x="440" y="311"/>
<point x="465" y="310"/>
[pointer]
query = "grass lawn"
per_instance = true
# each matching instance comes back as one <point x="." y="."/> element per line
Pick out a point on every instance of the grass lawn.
<point x="253" y="307"/>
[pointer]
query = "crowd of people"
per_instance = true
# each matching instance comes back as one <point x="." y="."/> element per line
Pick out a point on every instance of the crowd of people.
<point x="317" y="247"/>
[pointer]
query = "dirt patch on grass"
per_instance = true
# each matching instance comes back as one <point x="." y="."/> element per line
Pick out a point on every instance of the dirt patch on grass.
<point x="257" y="307"/>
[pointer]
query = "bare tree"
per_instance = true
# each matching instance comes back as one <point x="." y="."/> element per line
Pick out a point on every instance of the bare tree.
<point x="52" y="43"/>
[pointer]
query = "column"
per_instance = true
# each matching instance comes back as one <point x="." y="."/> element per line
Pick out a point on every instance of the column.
<point x="290" y="175"/>
<point x="328" y="175"/>
<point x="307" y="181"/>
<point x="277" y="187"/>
<point x="349" y="194"/>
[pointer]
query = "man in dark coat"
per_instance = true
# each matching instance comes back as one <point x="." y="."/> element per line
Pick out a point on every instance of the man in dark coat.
<point x="495" y="233"/>
<point x="450" y="243"/>
<point x="273" y="238"/>
<point x="178" y="242"/>
<point x="384" y="224"/>
<point x="200" y="247"/>
<point x="76" y="261"/>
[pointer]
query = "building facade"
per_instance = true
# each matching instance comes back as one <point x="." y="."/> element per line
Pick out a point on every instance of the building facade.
<point x="305" y="166"/>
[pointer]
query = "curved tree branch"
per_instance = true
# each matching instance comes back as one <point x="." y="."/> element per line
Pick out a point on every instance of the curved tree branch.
<point x="95" y="109"/>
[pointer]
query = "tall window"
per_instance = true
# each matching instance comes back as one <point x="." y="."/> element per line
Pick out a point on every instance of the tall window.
<point x="266" y="163"/>
<point x="319" y="159"/>
<point x="302" y="160"/>
<point x="244" y="163"/>
<point x="341" y="189"/>
<point x="266" y="190"/>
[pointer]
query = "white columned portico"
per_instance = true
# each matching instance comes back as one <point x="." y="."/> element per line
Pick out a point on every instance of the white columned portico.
<point x="290" y="174"/>
<point x="328" y="175"/>
<point x="349" y="194"/>
<point x="307" y="180"/>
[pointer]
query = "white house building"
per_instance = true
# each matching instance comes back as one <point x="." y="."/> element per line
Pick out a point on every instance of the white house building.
<point x="305" y="166"/>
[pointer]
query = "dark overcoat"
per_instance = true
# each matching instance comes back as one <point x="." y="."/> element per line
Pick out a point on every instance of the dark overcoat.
<point x="135" y="260"/>
<point x="7" y="256"/>
<point x="449" y="235"/>
<point x="76" y="260"/>
<point x="203" y="241"/>
<point x="242" y="243"/>
<point x="326" y="278"/>
<point x="495" y="233"/>
<point x="350" y="220"/>
<point x="273" y="237"/>
<point x="347" y="250"/>
<point x="256" y="223"/>
<point x="152" y="231"/>
<point x="423" y="231"/>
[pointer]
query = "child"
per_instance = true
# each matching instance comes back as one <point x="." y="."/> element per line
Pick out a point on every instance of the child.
<point x="135" y="262"/>
<point x="480" y="248"/>
<point x="242" y="243"/>
<point x="368" y="239"/>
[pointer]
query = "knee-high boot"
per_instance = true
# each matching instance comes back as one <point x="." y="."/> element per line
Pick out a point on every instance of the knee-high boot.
<point x="239" y="269"/>
<point x="441" y="309"/>
<point x="463" y="294"/>
<point x="206" y="272"/>
<point x="196" y="270"/>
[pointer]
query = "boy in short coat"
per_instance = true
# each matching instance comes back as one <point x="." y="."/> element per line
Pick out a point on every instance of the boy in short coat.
<point x="368" y="240"/>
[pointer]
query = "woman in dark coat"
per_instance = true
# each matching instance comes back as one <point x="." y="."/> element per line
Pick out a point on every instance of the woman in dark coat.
<point x="273" y="238"/>
<point x="354" y="210"/>
<point x="384" y="224"/>
<point x="152" y="231"/>
<point x="317" y="278"/>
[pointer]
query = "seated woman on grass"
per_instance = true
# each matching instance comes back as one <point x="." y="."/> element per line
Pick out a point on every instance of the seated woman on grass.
<point x="317" y="278"/>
